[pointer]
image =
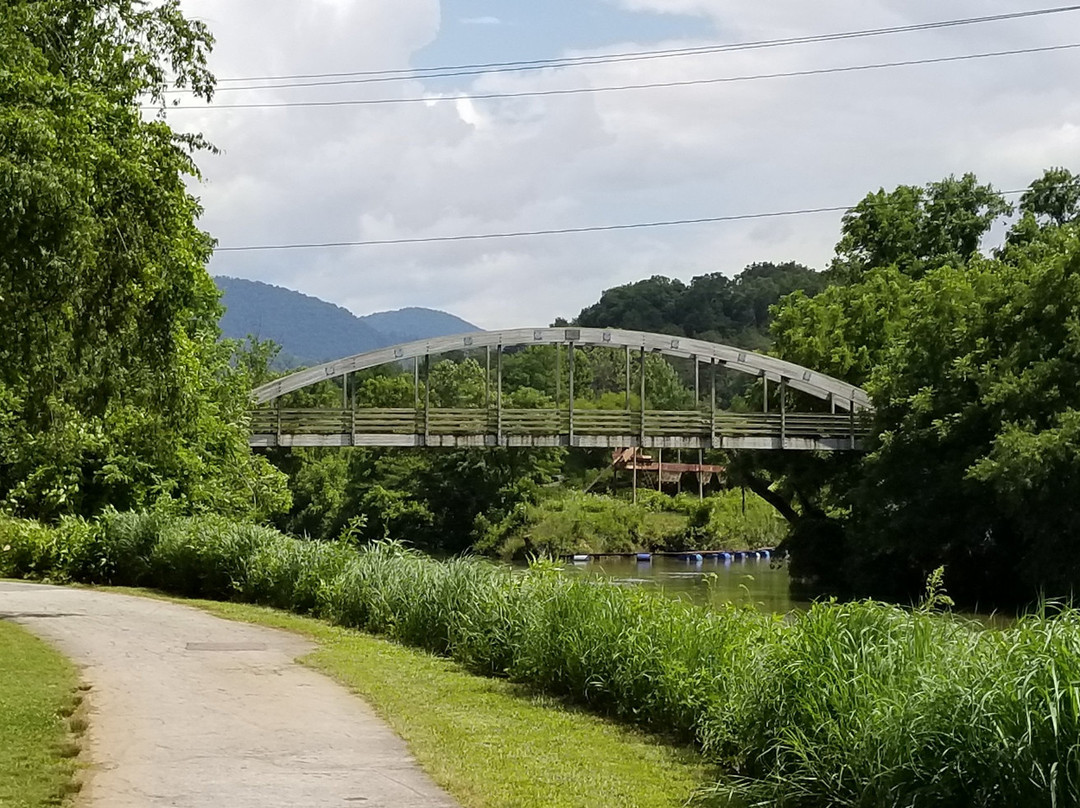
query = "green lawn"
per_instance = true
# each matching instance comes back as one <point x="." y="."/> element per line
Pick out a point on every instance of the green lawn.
<point x="37" y="693"/>
<point x="489" y="742"/>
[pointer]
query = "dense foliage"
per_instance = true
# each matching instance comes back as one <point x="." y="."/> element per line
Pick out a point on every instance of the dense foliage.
<point x="114" y="389"/>
<point x="848" y="705"/>
<point x="712" y="307"/>
<point x="973" y="364"/>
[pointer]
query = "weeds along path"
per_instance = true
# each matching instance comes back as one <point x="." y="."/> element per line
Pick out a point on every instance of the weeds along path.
<point x="188" y="710"/>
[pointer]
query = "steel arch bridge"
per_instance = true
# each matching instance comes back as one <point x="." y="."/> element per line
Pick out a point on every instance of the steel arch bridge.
<point x="841" y="428"/>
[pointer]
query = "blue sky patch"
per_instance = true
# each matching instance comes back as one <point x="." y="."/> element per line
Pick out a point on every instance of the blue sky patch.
<point x="483" y="31"/>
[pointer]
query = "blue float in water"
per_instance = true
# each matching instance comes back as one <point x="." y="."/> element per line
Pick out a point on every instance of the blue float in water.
<point x="644" y="557"/>
<point x="766" y="554"/>
<point x="581" y="558"/>
<point x="697" y="558"/>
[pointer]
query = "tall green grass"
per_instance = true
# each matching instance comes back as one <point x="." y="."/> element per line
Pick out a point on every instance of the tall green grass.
<point x="858" y="704"/>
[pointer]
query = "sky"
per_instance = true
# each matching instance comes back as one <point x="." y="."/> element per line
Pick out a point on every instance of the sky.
<point x="453" y="164"/>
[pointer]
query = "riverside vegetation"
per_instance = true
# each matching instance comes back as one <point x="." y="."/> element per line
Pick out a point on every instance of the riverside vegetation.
<point x="572" y="522"/>
<point x="853" y="704"/>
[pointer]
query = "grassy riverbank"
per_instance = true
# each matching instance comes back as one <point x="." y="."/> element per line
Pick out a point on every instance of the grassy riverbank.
<point x="37" y="696"/>
<point x="854" y="705"/>
<point x="568" y="522"/>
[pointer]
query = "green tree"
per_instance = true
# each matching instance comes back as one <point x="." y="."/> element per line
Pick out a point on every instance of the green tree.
<point x="458" y="384"/>
<point x="114" y="387"/>
<point x="1054" y="198"/>
<point x="916" y="229"/>
<point x="974" y="370"/>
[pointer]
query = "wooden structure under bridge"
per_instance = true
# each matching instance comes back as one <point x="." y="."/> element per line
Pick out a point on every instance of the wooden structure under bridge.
<point x="660" y="471"/>
<point x="833" y="424"/>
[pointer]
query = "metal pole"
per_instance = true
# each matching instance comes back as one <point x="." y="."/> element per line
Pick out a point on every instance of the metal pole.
<point x="700" y="475"/>
<point x="712" y="418"/>
<point x="354" y="415"/>
<point x="660" y="469"/>
<point x="487" y="377"/>
<point x="628" y="378"/>
<point x="558" y="375"/>
<point x="765" y="395"/>
<point x="427" y="397"/>
<point x="416" y="382"/>
<point x="345" y="391"/>
<point x="498" y="399"/>
<point x="697" y="384"/>
<point x="570" y="402"/>
<point x="783" y="412"/>
<point x="635" y="474"/>
<point x="643" y="396"/>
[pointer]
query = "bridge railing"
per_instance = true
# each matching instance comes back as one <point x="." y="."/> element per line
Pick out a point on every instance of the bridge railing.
<point x="445" y="421"/>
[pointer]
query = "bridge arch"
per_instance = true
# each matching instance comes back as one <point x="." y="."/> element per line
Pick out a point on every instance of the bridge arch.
<point x="842" y="395"/>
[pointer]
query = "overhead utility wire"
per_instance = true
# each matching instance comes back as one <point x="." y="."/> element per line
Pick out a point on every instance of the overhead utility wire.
<point x="561" y="231"/>
<point x="625" y="87"/>
<point x="371" y="76"/>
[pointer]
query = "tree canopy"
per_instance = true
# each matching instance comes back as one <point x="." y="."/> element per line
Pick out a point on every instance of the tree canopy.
<point x="973" y="365"/>
<point x="711" y="307"/>
<point x="916" y="229"/>
<point x="114" y="389"/>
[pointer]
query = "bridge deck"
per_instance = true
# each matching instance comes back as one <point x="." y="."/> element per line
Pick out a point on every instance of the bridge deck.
<point x="538" y="428"/>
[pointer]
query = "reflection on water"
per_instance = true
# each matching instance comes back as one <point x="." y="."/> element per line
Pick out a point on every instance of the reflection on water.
<point x="710" y="581"/>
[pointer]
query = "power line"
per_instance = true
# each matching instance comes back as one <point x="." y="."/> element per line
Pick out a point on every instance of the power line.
<point x="561" y="231"/>
<point x="450" y="71"/>
<point x="626" y="87"/>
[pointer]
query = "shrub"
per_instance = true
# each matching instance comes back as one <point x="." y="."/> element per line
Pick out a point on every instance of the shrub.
<point x="858" y="704"/>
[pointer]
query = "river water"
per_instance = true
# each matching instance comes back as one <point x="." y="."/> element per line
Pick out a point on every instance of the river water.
<point x="760" y="582"/>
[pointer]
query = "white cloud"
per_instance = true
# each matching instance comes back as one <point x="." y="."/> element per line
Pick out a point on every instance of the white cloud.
<point x="467" y="165"/>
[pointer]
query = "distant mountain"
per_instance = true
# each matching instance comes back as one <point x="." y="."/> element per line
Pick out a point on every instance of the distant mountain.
<point x="311" y="331"/>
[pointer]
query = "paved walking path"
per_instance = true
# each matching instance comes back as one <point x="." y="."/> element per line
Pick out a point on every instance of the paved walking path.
<point x="191" y="711"/>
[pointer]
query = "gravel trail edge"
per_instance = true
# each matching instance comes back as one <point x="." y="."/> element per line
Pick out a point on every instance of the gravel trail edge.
<point x="188" y="710"/>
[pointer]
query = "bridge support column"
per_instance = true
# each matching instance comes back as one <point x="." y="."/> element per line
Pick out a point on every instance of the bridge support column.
<point x="570" y="400"/>
<point x="712" y="406"/>
<point x="427" y="397"/>
<point x="558" y="384"/>
<point x="765" y="394"/>
<point x="498" y="397"/>
<point x="642" y="396"/>
<point x="783" y="412"/>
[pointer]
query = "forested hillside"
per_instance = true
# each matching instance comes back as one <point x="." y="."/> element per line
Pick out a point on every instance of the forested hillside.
<point x="310" y="331"/>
